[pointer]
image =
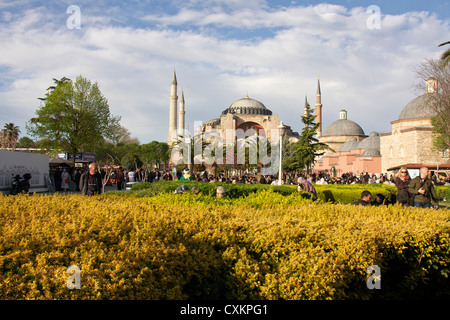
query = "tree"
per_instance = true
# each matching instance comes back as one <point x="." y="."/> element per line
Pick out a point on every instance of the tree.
<point x="131" y="161"/>
<point x="9" y="136"/>
<point x="75" y="117"/>
<point x="122" y="135"/>
<point x="187" y="151"/>
<point x="304" y="152"/>
<point x="153" y="153"/>
<point x="439" y="102"/>
<point x="445" y="58"/>
<point x="26" y="142"/>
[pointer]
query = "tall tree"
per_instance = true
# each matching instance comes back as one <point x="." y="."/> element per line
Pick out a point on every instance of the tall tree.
<point x="304" y="152"/>
<point x="439" y="102"/>
<point x="9" y="136"/>
<point x="75" y="117"/>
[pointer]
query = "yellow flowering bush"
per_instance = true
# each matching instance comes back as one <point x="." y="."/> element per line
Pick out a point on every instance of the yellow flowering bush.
<point x="263" y="246"/>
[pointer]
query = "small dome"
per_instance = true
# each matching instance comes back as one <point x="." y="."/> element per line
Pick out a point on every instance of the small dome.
<point x="419" y="107"/>
<point x="349" y="145"/>
<point x="247" y="106"/>
<point x="343" y="127"/>
<point x="371" y="142"/>
<point x="371" y="152"/>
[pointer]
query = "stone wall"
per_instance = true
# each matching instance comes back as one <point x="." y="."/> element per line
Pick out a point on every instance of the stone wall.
<point x="411" y="141"/>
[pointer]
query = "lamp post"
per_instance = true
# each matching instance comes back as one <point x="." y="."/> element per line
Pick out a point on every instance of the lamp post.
<point x="281" y="130"/>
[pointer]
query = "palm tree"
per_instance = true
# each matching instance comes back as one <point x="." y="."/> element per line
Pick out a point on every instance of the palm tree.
<point x="10" y="136"/>
<point x="446" y="55"/>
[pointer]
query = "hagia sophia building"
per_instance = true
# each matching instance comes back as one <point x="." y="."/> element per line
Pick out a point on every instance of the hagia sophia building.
<point x="409" y="143"/>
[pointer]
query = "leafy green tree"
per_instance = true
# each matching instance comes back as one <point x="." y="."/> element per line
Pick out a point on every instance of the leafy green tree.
<point x="131" y="161"/>
<point x="153" y="153"/>
<point x="304" y="152"/>
<point x="26" y="142"/>
<point x="75" y="117"/>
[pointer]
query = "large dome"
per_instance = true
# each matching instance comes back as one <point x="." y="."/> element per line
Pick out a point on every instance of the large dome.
<point x="247" y="106"/>
<point x="419" y="107"/>
<point x="343" y="127"/>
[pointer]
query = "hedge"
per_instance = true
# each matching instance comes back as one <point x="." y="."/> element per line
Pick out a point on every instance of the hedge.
<point x="325" y="193"/>
<point x="196" y="247"/>
<point x="340" y="193"/>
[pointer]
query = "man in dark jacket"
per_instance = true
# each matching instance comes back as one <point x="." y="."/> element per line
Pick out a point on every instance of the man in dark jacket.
<point x="422" y="189"/>
<point x="91" y="181"/>
<point x="365" y="199"/>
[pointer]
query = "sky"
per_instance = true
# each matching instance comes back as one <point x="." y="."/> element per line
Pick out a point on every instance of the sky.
<point x="365" y="54"/>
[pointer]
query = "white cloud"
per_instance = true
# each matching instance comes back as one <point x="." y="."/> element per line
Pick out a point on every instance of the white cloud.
<point x="368" y="72"/>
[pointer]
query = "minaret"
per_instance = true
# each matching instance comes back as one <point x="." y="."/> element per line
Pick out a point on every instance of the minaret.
<point x="319" y="110"/>
<point x="173" y="111"/>
<point x="181" y="116"/>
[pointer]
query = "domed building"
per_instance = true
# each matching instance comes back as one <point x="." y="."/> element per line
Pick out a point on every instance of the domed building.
<point x="411" y="138"/>
<point x="353" y="156"/>
<point x="247" y="117"/>
<point x="353" y="150"/>
<point x="341" y="131"/>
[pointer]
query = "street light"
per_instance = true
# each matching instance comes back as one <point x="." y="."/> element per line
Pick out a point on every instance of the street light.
<point x="281" y="130"/>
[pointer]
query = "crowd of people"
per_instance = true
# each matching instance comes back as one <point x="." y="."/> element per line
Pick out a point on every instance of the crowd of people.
<point x="417" y="192"/>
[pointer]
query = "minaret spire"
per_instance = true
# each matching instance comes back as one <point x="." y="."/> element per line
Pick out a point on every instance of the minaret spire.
<point x="319" y="109"/>
<point x="171" y="139"/>
<point x="318" y="87"/>
<point x="181" y="116"/>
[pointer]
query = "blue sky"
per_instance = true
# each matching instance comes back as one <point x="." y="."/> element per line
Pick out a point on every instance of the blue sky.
<point x="221" y="49"/>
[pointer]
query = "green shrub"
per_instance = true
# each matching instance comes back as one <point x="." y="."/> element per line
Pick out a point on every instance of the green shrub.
<point x="325" y="193"/>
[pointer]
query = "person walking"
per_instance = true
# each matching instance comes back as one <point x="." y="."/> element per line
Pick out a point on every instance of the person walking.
<point x="422" y="189"/>
<point x="65" y="180"/>
<point x="131" y="176"/>
<point x="91" y="181"/>
<point x="120" y="177"/>
<point x="402" y="181"/>
<point x="77" y="179"/>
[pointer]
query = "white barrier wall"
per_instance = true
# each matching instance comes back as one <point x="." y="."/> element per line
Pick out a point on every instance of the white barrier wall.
<point x="14" y="162"/>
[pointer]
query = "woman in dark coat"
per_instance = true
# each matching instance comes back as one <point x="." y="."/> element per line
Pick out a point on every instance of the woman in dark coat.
<point x="402" y="181"/>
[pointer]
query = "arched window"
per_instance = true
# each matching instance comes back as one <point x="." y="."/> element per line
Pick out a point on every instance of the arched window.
<point x="252" y="128"/>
